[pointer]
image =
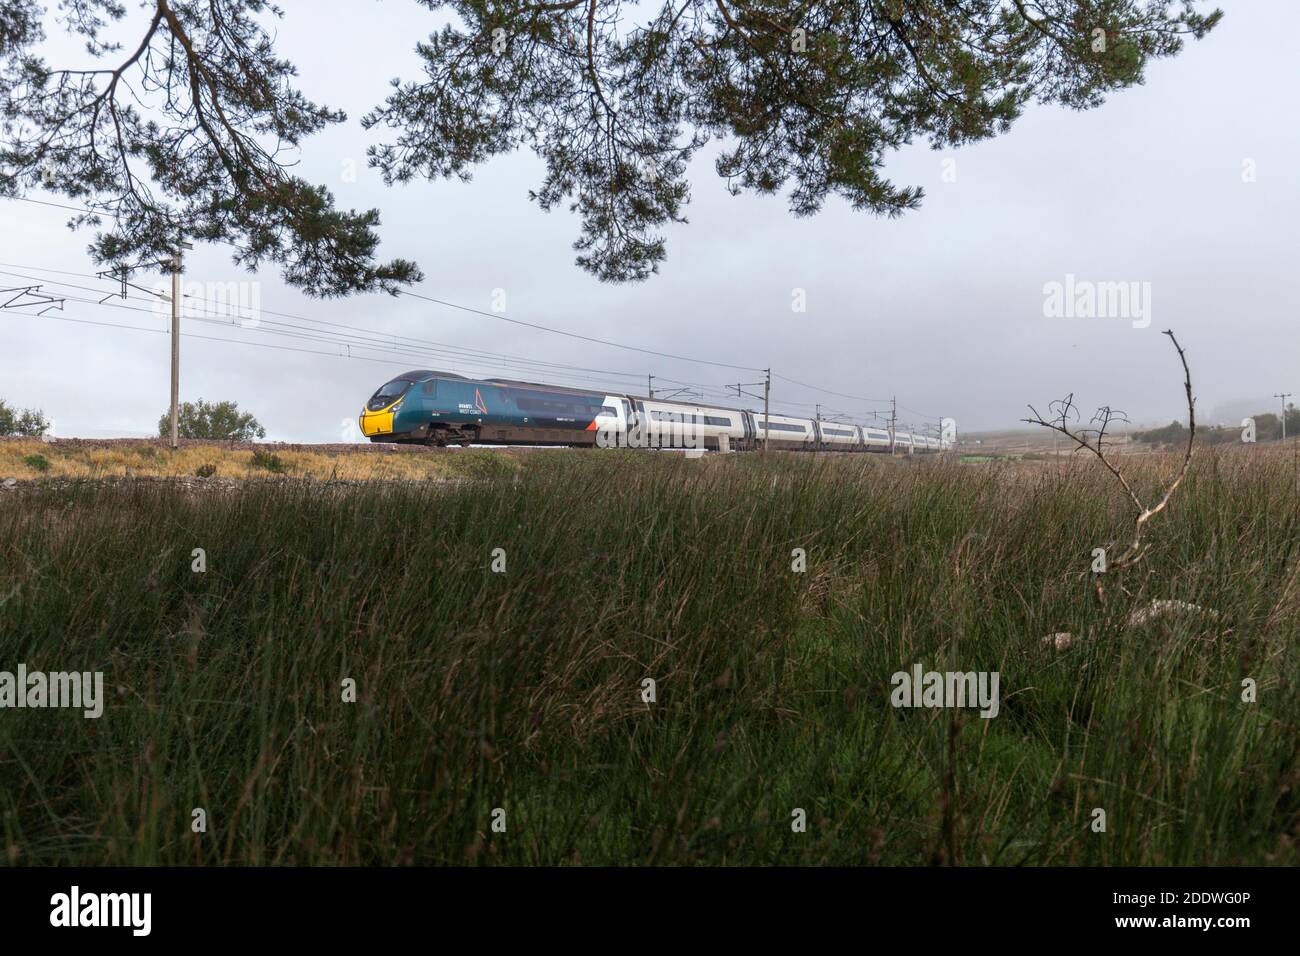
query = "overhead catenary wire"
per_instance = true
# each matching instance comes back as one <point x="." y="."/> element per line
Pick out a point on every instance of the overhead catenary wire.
<point x="379" y="343"/>
<point x="492" y="315"/>
<point x="211" y="338"/>
<point x="455" y="362"/>
<point x="469" y="356"/>
<point x="194" y="335"/>
<point x="385" y="348"/>
<point x="933" y="418"/>
<point x="356" y="331"/>
<point x="827" y="391"/>
<point x="59" y="205"/>
<point x="390" y="342"/>
<point x="576" y="335"/>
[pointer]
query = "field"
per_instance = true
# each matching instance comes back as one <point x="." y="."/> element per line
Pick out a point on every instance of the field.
<point x="124" y="458"/>
<point x="518" y="695"/>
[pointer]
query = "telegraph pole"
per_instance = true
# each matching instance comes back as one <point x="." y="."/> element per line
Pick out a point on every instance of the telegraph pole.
<point x="1283" y="396"/>
<point x="893" y="422"/>
<point x="767" y="394"/>
<point x="818" y="420"/>
<point x="176" y="339"/>
<point x="650" y="384"/>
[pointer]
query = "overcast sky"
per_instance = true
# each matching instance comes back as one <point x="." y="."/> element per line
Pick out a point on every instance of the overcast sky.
<point x="1188" y="183"/>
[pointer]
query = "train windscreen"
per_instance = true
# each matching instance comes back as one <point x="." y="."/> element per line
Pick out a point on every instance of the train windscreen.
<point x="387" y="394"/>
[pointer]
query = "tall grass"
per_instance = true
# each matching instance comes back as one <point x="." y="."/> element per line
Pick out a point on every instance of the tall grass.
<point x="523" y="690"/>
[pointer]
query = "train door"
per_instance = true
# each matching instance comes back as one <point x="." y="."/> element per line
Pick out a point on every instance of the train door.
<point x="627" y="420"/>
<point x="643" y="426"/>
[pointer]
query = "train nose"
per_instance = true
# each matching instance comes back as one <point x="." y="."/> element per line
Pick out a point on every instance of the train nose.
<point x="377" y="423"/>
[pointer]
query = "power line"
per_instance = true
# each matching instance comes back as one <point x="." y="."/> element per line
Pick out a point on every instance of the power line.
<point x="543" y="328"/>
<point x="375" y="334"/>
<point x="935" y="418"/>
<point x="827" y="391"/>
<point x="57" y="205"/>
<point x="493" y="315"/>
<point x="376" y="341"/>
<point x="228" y="341"/>
<point x="456" y="362"/>
<point x="575" y="335"/>
<point x="194" y="335"/>
<point x="305" y="336"/>
<point x="368" y="339"/>
<point x="363" y="337"/>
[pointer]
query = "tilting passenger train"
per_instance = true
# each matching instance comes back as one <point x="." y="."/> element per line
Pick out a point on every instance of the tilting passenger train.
<point x="441" y="408"/>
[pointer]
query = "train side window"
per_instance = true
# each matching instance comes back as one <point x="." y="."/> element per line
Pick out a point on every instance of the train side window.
<point x="429" y="387"/>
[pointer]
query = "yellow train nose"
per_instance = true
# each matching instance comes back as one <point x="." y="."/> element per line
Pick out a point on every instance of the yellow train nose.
<point x="377" y="423"/>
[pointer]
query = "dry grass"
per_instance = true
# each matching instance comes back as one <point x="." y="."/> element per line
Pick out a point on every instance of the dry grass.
<point x="154" y="460"/>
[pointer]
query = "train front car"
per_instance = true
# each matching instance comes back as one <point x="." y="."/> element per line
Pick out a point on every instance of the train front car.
<point x="379" y="419"/>
<point x="441" y="408"/>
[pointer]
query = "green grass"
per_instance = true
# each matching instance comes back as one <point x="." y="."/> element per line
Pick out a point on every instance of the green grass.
<point x="522" y="690"/>
<point x="268" y="461"/>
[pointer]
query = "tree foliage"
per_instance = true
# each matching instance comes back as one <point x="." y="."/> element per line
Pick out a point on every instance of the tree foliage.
<point x="220" y="421"/>
<point x="808" y="97"/>
<point x="1268" y="427"/>
<point x="29" y="423"/>
<point x="193" y="129"/>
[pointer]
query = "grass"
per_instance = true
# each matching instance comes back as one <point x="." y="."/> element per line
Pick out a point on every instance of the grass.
<point x="268" y="461"/>
<point x="155" y="460"/>
<point x="523" y="690"/>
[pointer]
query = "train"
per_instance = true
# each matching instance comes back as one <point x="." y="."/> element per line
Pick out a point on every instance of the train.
<point x="443" y="408"/>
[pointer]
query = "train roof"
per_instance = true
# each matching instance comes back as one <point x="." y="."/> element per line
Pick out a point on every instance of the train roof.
<point x="421" y="374"/>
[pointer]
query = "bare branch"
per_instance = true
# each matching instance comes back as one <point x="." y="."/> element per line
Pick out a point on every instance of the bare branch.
<point x="1063" y="411"/>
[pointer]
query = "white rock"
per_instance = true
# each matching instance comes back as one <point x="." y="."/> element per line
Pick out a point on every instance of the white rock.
<point x="1159" y="608"/>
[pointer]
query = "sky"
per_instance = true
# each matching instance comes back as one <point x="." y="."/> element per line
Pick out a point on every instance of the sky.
<point x="1186" y="187"/>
